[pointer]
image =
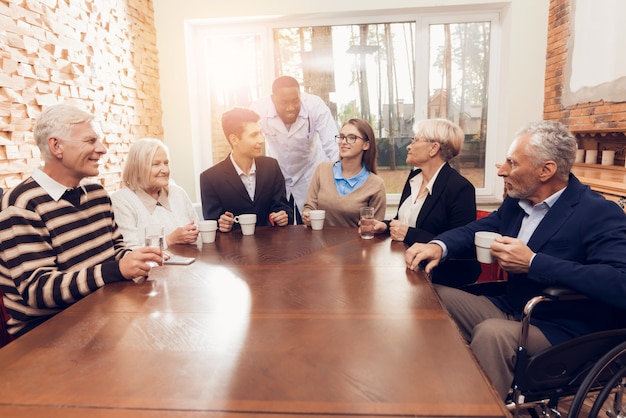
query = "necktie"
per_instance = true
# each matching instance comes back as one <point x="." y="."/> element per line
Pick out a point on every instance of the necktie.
<point x="73" y="196"/>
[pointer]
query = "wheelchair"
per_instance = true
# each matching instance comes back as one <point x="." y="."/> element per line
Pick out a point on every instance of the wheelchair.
<point x="588" y="373"/>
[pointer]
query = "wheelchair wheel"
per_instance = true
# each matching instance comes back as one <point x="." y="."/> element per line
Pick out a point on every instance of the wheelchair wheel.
<point x="601" y="393"/>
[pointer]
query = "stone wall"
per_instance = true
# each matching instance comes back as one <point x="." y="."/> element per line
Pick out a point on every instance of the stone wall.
<point x="99" y="55"/>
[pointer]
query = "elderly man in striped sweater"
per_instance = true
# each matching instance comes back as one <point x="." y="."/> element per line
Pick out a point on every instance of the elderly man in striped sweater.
<point x="59" y="239"/>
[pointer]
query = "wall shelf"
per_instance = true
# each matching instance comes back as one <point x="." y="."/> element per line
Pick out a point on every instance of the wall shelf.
<point x="608" y="180"/>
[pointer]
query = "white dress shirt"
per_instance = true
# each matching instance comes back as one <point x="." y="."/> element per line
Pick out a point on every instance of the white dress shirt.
<point x="50" y="185"/>
<point x="248" y="180"/>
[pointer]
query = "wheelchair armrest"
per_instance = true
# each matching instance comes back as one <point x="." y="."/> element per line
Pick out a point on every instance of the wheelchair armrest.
<point x="553" y="293"/>
<point x="563" y="293"/>
<point x="550" y="294"/>
<point x="486" y="288"/>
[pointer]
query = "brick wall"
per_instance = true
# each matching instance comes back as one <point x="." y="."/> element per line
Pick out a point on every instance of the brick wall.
<point x="581" y="117"/>
<point x="100" y="55"/>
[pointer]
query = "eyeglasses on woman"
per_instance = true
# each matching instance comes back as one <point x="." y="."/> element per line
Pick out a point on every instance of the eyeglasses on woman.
<point x="350" y="138"/>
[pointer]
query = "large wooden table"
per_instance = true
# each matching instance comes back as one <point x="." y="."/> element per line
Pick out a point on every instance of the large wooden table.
<point x="288" y="322"/>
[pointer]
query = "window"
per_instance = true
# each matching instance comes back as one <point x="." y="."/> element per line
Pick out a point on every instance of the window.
<point x="458" y="86"/>
<point x="362" y="71"/>
<point x="386" y="68"/>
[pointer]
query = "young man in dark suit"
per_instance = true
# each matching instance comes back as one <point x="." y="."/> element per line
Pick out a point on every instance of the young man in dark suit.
<point x="246" y="181"/>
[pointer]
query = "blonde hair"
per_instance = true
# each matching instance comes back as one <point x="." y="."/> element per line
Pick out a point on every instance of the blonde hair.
<point x="448" y="134"/>
<point x="136" y="173"/>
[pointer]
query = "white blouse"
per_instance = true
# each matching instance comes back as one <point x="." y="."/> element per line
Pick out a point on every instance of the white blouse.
<point x="132" y="214"/>
<point x="411" y="207"/>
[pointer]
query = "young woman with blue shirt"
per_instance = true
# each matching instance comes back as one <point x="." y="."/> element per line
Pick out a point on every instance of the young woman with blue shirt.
<point x="343" y="187"/>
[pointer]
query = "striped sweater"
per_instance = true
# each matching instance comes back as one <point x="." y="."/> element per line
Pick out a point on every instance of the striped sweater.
<point x="52" y="253"/>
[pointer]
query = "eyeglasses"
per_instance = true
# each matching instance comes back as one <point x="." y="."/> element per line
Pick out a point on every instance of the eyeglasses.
<point x="416" y="139"/>
<point x="350" y="138"/>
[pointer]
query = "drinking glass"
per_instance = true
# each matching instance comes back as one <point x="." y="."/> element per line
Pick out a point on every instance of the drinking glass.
<point x="367" y="222"/>
<point x="154" y="238"/>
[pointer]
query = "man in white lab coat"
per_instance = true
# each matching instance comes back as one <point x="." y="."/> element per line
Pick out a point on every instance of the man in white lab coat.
<point x="300" y="133"/>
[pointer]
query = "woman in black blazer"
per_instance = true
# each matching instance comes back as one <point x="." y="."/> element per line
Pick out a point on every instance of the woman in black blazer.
<point x="435" y="198"/>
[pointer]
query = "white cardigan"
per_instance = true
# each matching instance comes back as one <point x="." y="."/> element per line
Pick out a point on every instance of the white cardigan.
<point x="132" y="216"/>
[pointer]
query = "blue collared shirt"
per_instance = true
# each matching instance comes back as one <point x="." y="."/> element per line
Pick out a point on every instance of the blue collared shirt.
<point x="344" y="185"/>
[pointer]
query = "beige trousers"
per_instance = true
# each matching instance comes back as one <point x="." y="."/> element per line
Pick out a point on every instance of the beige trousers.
<point x="492" y="334"/>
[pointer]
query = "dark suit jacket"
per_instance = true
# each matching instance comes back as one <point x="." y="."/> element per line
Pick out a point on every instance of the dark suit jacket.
<point x="221" y="190"/>
<point x="580" y="244"/>
<point x="451" y="204"/>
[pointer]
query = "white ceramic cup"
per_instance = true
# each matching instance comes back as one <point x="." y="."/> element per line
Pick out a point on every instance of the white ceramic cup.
<point x="317" y="219"/>
<point x="367" y="222"/>
<point x="483" y="241"/>
<point x="608" y="157"/>
<point x="580" y="155"/>
<point x="591" y="156"/>
<point x="208" y="230"/>
<point x="246" y="221"/>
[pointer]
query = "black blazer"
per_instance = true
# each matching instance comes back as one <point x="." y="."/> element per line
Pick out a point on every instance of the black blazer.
<point x="221" y="190"/>
<point x="451" y="204"/>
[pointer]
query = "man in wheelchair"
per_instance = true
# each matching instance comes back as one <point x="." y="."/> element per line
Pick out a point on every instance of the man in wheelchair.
<point x="555" y="231"/>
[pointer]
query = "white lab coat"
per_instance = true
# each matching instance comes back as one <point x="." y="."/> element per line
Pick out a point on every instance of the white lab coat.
<point x="310" y="141"/>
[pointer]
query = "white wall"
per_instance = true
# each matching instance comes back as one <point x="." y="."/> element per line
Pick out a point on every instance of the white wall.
<point x="525" y="39"/>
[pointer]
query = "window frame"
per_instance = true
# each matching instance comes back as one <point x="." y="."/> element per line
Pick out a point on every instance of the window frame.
<point x="198" y="31"/>
<point x="487" y="192"/>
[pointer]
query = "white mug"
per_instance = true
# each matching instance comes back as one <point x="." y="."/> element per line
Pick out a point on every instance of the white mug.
<point x="591" y="156"/>
<point x="208" y="230"/>
<point x="580" y="155"/>
<point x="317" y="219"/>
<point x="483" y="241"/>
<point x="247" y="221"/>
<point x="608" y="157"/>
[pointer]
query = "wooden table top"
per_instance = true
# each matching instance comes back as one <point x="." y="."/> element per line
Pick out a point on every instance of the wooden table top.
<point x="288" y="322"/>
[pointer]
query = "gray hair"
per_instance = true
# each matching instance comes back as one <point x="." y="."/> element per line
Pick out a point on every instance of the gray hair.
<point x="551" y="141"/>
<point x="57" y="121"/>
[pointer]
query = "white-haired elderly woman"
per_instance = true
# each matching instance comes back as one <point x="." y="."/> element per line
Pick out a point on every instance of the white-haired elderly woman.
<point x="149" y="197"/>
